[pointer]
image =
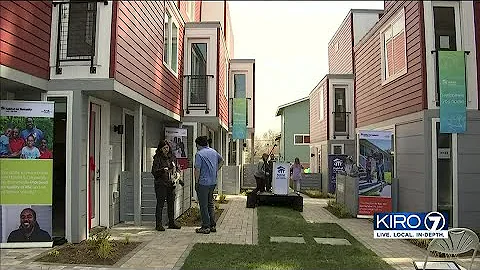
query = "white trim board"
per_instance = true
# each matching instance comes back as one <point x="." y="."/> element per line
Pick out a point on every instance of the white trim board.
<point x="104" y="161"/>
<point x="68" y="159"/>
<point x="454" y="156"/>
<point x="22" y="77"/>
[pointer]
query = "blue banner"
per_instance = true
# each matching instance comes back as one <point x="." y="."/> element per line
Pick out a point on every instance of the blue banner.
<point x="239" y="127"/>
<point x="453" y="93"/>
<point x="336" y="163"/>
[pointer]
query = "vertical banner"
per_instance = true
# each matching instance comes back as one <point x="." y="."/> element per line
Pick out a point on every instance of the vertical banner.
<point x="26" y="173"/>
<point x="239" y="127"/>
<point x="453" y="93"/>
<point x="375" y="165"/>
<point x="336" y="163"/>
<point x="281" y="173"/>
<point x="177" y="138"/>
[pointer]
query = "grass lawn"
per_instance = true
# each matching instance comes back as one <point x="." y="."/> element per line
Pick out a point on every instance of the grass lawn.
<point x="273" y="221"/>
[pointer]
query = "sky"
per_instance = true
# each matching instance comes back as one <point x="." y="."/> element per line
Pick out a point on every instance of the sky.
<point x="289" y="42"/>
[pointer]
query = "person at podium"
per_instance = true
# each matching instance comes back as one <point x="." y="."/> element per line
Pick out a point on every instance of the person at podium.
<point x="261" y="174"/>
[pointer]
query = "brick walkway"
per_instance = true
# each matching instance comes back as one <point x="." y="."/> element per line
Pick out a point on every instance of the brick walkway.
<point x="165" y="250"/>
<point x="398" y="253"/>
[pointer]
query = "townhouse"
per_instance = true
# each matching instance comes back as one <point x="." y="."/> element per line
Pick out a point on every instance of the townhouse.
<point x="119" y="72"/>
<point x="294" y="131"/>
<point x="400" y="71"/>
<point x="332" y="109"/>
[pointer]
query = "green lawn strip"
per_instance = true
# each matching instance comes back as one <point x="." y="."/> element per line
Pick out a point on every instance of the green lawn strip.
<point x="273" y="221"/>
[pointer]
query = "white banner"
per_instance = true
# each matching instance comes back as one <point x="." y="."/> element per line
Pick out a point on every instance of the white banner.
<point x="26" y="108"/>
<point x="177" y="138"/>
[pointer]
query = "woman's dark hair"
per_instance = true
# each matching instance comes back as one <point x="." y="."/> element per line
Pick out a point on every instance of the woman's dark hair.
<point x="161" y="144"/>
<point x="297" y="160"/>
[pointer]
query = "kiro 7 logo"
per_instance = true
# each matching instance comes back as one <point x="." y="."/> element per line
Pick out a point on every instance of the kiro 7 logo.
<point x="281" y="169"/>
<point x="410" y="225"/>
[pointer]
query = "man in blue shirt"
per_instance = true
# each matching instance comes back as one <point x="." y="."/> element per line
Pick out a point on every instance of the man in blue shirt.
<point x="207" y="163"/>
<point x="31" y="130"/>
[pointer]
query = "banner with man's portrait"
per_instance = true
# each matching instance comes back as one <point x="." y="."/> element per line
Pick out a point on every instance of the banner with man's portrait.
<point x="26" y="174"/>
<point x="177" y="138"/>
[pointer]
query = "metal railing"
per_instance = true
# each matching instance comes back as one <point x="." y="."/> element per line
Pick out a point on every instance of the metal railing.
<point x="341" y="124"/>
<point x="77" y="24"/>
<point x="197" y="92"/>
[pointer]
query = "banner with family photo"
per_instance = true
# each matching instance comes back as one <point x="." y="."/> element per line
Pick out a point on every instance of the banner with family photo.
<point x="376" y="167"/>
<point x="26" y="175"/>
<point x="177" y="138"/>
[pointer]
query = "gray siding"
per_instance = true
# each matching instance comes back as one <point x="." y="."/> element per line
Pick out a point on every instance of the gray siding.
<point x="411" y="166"/>
<point x="324" y="172"/>
<point x="469" y="173"/>
<point x="231" y="179"/>
<point x="311" y="181"/>
<point x="248" y="178"/>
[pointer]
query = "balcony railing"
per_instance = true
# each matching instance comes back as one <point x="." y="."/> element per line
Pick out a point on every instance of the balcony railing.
<point x="341" y="124"/>
<point x="197" y="92"/>
<point x="77" y="21"/>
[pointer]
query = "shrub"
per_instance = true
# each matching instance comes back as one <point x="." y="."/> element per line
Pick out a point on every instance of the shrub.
<point x="54" y="253"/>
<point x="338" y="209"/>
<point x="222" y="199"/>
<point x="105" y="249"/>
<point x="315" y="193"/>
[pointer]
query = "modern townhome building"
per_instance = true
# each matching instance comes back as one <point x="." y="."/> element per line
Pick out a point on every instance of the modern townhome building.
<point x="295" y="131"/>
<point x="332" y="109"/>
<point x="404" y="68"/>
<point x="119" y="72"/>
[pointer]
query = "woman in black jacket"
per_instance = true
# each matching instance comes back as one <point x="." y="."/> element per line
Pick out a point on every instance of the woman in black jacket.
<point x="164" y="165"/>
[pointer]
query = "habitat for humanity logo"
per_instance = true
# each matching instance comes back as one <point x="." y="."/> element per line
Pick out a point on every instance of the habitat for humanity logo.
<point x="337" y="162"/>
<point x="281" y="169"/>
<point x="410" y="225"/>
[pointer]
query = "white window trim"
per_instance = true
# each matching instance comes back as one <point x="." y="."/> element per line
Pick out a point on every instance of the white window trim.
<point x="173" y="21"/>
<point x="321" y="106"/>
<point x="385" y="80"/>
<point x="303" y="139"/>
<point x="337" y="144"/>
<point x="190" y="10"/>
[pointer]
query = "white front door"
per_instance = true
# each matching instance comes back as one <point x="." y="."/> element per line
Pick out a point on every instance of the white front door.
<point x="94" y="165"/>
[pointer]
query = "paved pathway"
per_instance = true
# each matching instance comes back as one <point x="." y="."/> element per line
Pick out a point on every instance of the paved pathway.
<point x="160" y="250"/>
<point x="398" y="253"/>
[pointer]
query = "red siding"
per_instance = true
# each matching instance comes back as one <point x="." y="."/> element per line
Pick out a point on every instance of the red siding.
<point x="340" y="61"/>
<point x="222" y="103"/>
<point x="139" y="53"/>
<point x="476" y="7"/>
<point x="198" y="11"/>
<point x="318" y="129"/>
<point x="25" y="36"/>
<point x="388" y="5"/>
<point x="376" y="102"/>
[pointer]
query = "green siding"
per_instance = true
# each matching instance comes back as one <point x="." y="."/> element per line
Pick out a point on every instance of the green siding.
<point x="295" y="120"/>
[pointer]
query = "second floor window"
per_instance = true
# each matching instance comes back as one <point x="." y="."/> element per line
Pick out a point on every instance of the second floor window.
<point x="300" y="139"/>
<point x="170" y="45"/>
<point x="239" y="85"/>
<point x="394" y="48"/>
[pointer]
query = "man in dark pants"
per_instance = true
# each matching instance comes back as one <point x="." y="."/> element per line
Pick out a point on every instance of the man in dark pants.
<point x="207" y="163"/>
<point x="269" y="173"/>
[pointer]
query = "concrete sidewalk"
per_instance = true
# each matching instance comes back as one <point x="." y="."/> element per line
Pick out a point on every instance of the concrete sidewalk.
<point x="160" y="250"/>
<point x="398" y="253"/>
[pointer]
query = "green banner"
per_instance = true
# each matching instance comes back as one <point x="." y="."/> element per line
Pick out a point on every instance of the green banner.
<point x="239" y="118"/>
<point x="26" y="181"/>
<point x="26" y="173"/>
<point x="453" y="92"/>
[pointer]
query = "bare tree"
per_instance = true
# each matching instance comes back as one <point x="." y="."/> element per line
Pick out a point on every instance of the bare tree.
<point x="264" y="143"/>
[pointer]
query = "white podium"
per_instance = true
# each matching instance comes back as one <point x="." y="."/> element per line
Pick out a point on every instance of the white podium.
<point x="281" y="175"/>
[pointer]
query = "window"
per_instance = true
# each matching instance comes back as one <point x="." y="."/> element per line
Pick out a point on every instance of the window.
<point x="239" y="85"/>
<point x="320" y="107"/>
<point x="191" y="10"/>
<point x="170" y="51"/>
<point x="394" y="48"/>
<point x="77" y="30"/>
<point x="300" y="139"/>
<point x="338" y="149"/>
